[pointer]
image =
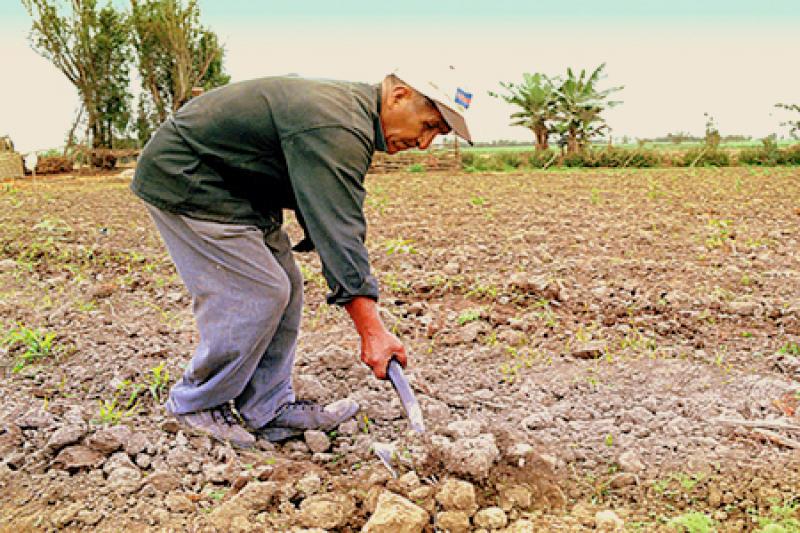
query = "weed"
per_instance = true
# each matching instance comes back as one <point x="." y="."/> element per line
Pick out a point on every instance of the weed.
<point x="782" y="518"/>
<point x="594" y="197"/>
<point x="693" y="522"/>
<point x="158" y="381"/>
<point x="609" y="440"/>
<point x="481" y="291"/>
<point x="790" y="348"/>
<point x="399" y="246"/>
<point x="312" y="277"/>
<point x="477" y="201"/>
<point x="111" y="412"/>
<point x="86" y="307"/>
<point x="37" y="345"/>
<point x="416" y="168"/>
<point x="721" y="233"/>
<point x="395" y="284"/>
<point x="468" y="315"/>
<point x="654" y="191"/>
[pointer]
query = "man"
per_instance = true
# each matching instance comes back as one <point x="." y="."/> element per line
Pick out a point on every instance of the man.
<point x="216" y="177"/>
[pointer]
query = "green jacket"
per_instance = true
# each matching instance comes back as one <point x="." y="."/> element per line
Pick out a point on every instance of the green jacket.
<point x="242" y="153"/>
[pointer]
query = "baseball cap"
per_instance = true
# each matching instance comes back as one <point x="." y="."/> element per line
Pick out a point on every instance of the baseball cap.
<point x="441" y="90"/>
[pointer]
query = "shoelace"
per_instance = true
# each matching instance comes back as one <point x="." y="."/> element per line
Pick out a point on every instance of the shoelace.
<point x="224" y="415"/>
<point x="304" y="405"/>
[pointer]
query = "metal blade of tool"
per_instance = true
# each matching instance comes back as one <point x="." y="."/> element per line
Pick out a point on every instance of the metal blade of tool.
<point x="407" y="398"/>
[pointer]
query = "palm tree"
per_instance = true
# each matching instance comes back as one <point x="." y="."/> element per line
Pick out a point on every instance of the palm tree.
<point x="536" y="96"/>
<point x="793" y="124"/>
<point x="579" y="105"/>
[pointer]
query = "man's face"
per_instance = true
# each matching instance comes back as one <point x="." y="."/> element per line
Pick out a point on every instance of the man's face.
<point x="410" y="120"/>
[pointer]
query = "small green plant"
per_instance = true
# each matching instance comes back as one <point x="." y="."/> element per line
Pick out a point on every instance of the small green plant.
<point x="113" y="410"/>
<point x="400" y="246"/>
<point x="782" y="518"/>
<point x="217" y="494"/>
<point x="416" y="168"/>
<point x="312" y="277"/>
<point x="37" y="345"/>
<point x="469" y="315"/>
<point x="477" y="201"/>
<point x="86" y="307"/>
<point x="594" y="197"/>
<point x="157" y="382"/>
<point x="693" y="522"/>
<point x="609" y="440"/>
<point x="790" y="348"/>
<point x="721" y="233"/>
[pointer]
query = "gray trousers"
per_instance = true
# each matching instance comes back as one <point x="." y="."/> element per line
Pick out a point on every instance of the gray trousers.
<point x="247" y="294"/>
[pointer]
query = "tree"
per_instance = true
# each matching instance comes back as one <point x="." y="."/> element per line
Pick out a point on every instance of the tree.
<point x="579" y="107"/>
<point x="536" y="96"/>
<point x="175" y="53"/>
<point x="793" y="124"/>
<point x="712" y="137"/>
<point x="91" y="47"/>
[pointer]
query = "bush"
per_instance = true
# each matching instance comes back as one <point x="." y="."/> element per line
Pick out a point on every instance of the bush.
<point x="612" y="157"/>
<point x="789" y="156"/>
<point x="510" y="160"/>
<point x="766" y="154"/>
<point x="576" y="159"/>
<point x="542" y="158"/>
<point x="706" y="157"/>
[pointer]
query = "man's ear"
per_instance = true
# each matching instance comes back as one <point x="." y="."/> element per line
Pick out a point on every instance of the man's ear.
<point x="399" y="94"/>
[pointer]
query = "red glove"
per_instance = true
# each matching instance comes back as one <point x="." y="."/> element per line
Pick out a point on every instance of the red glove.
<point x="378" y="345"/>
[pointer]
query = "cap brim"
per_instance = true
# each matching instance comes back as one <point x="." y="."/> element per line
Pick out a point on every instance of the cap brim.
<point x="455" y="120"/>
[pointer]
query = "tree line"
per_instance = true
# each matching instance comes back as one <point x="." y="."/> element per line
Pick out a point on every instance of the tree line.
<point x="572" y="108"/>
<point x="98" y="46"/>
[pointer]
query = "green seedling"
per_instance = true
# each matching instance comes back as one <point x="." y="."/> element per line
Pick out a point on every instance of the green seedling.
<point x="477" y="201"/>
<point x="693" y="522"/>
<point x="790" y="348"/>
<point x="37" y="345"/>
<point x="400" y="246"/>
<point x="416" y="168"/>
<point x="721" y="233"/>
<point x="312" y="277"/>
<point x="158" y="382"/>
<point x="469" y="315"/>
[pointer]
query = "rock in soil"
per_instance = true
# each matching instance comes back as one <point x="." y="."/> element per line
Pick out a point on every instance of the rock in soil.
<point x="395" y="514"/>
<point x="457" y="495"/>
<point x="325" y="511"/>
<point x="490" y="518"/>
<point x="78" y="458"/>
<point x="608" y="521"/>
<point x="317" y="441"/>
<point x="65" y="436"/>
<point x="452" y="521"/>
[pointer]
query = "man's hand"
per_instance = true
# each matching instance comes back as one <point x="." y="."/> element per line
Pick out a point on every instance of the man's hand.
<point x="378" y="345"/>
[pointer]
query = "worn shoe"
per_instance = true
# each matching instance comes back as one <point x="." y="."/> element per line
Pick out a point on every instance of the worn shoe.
<point x="219" y="423"/>
<point x="295" y="418"/>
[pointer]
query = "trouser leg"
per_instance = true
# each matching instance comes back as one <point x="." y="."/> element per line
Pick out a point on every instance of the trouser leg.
<point x="239" y="292"/>
<point x="271" y="387"/>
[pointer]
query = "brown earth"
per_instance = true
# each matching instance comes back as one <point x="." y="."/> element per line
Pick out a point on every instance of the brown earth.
<point x="581" y="341"/>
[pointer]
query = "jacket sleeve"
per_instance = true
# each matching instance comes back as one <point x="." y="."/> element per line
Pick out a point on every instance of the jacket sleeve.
<point x="326" y="169"/>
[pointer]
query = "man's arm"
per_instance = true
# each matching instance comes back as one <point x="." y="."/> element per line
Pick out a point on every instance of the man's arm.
<point x="326" y="169"/>
<point x="378" y="345"/>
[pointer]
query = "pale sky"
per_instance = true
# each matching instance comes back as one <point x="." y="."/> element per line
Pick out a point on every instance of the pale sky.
<point x="676" y="58"/>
